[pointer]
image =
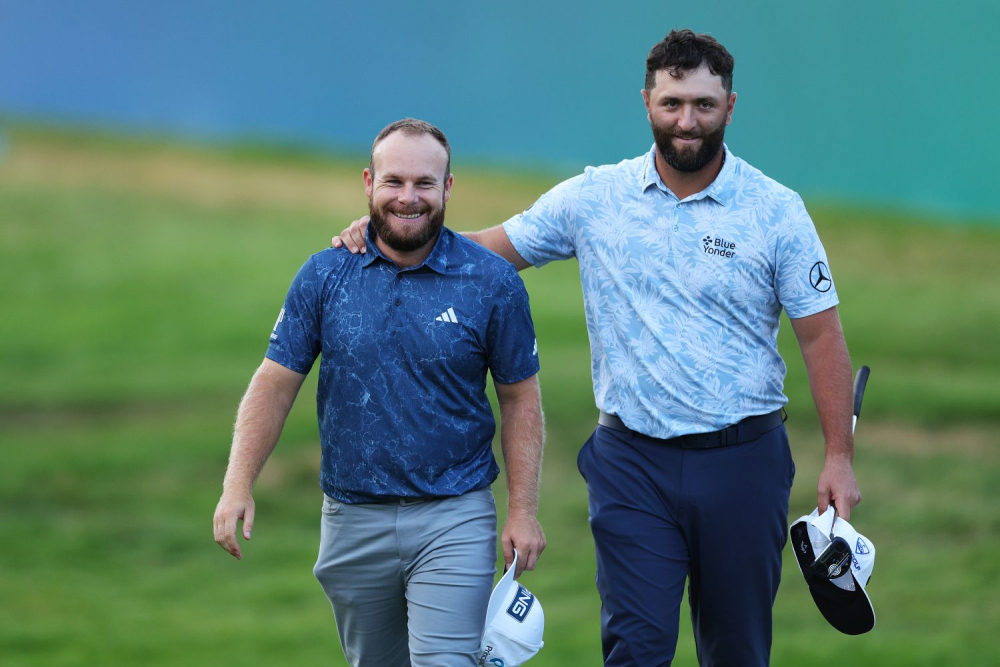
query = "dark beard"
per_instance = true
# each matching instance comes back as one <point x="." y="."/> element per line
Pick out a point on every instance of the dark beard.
<point x="411" y="242"/>
<point x="686" y="160"/>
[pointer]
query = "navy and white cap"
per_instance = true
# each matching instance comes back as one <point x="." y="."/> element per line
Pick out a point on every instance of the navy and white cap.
<point x="842" y="600"/>
<point x="514" y="624"/>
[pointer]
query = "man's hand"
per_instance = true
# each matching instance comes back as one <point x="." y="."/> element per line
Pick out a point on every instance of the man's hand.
<point x="353" y="237"/>
<point x="837" y="485"/>
<point x="522" y="532"/>
<point x="231" y="508"/>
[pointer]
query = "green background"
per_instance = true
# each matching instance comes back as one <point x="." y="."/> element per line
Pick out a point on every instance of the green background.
<point x="141" y="279"/>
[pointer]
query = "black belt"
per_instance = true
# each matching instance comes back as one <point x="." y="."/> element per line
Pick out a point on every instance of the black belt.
<point x="746" y="430"/>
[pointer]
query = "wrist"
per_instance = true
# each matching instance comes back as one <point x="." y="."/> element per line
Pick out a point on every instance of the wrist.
<point x="236" y="488"/>
<point x="521" y="510"/>
<point x="839" y="457"/>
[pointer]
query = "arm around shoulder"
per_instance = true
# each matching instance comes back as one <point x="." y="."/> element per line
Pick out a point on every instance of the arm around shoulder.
<point x="496" y="239"/>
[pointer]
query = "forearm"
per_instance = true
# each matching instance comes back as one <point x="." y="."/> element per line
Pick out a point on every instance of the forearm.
<point x="521" y="440"/>
<point x="496" y="239"/>
<point x="828" y="365"/>
<point x="259" y="421"/>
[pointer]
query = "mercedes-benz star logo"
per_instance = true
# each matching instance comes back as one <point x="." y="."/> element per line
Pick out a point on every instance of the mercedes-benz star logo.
<point x="819" y="277"/>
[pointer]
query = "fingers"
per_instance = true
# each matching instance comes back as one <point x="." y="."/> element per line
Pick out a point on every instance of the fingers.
<point x="846" y="502"/>
<point x="838" y="487"/>
<point x="225" y="532"/>
<point x="507" y="544"/>
<point x="822" y="500"/>
<point x="248" y="522"/>
<point x="527" y="537"/>
<point x="357" y="233"/>
<point x="353" y="237"/>
<point x="227" y="516"/>
<point x="531" y="559"/>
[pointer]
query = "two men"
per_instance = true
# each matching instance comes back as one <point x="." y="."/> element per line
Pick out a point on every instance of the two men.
<point x="687" y="256"/>
<point x="407" y="334"/>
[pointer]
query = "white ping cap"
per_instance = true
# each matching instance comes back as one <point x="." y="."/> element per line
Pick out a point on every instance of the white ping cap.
<point x="514" y="624"/>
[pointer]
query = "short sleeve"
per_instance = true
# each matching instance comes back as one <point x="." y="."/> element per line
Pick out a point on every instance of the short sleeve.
<point x="547" y="230"/>
<point x="296" y="337"/>
<point x="512" y="353"/>
<point x="803" y="281"/>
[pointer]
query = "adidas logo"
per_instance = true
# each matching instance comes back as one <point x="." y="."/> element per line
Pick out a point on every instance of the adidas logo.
<point x="447" y="316"/>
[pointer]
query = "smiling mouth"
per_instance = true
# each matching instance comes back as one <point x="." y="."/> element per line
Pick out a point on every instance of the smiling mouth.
<point x="407" y="216"/>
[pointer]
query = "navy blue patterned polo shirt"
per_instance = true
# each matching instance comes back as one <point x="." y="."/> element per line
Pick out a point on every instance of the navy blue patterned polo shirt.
<point x="402" y="402"/>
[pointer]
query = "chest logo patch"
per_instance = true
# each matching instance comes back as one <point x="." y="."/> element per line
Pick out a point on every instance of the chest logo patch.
<point x="447" y="316"/>
<point x="718" y="246"/>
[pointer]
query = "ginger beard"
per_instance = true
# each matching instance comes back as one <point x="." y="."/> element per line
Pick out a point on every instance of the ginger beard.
<point x="689" y="158"/>
<point x="403" y="235"/>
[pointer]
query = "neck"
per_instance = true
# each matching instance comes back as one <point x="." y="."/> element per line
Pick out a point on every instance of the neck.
<point x="404" y="259"/>
<point x="686" y="183"/>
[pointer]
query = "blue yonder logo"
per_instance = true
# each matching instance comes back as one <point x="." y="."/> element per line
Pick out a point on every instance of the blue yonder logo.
<point x="521" y="605"/>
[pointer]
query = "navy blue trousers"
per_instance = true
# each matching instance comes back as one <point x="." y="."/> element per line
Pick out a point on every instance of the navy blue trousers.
<point x="660" y="515"/>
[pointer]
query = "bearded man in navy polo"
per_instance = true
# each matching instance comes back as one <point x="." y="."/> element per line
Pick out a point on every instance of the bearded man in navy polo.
<point x="407" y="334"/>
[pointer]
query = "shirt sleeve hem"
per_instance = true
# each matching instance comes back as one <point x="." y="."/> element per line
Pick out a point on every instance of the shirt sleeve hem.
<point x="298" y="368"/>
<point x="812" y="310"/>
<point x="515" y="237"/>
<point x="515" y="377"/>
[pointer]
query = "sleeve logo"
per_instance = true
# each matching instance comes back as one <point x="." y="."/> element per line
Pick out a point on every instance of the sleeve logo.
<point x="819" y="277"/>
<point x="274" y="330"/>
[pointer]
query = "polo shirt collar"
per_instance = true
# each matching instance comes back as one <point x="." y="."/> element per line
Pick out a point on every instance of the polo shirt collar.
<point x="436" y="261"/>
<point x="720" y="189"/>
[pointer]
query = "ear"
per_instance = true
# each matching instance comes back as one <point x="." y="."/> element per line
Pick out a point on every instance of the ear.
<point x="729" y="113"/>
<point x="369" y="179"/>
<point x="447" y="187"/>
<point x="645" y="101"/>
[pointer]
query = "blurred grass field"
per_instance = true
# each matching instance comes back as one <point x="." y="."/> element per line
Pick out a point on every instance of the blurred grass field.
<point x="140" y="283"/>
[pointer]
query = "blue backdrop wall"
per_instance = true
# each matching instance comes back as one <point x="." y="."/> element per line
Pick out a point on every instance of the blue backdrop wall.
<point x="885" y="102"/>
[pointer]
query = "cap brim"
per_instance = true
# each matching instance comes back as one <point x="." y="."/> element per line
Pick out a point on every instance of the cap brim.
<point x="850" y="612"/>
<point x="501" y="592"/>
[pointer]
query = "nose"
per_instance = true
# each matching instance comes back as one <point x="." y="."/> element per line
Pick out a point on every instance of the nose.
<point x="686" y="120"/>
<point x="408" y="194"/>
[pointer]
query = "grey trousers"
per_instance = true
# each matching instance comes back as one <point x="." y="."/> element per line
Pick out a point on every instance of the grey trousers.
<point x="409" y="581"/>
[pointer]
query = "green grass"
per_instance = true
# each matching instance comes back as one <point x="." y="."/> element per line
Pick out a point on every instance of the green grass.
<point x="134" y="315"/>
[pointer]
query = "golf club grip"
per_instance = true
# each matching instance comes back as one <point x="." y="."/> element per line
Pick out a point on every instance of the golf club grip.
<point x="860" y="382"/>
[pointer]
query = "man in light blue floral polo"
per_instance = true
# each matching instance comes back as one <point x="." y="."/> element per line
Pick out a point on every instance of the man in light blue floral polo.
<point x="687" y="256"/>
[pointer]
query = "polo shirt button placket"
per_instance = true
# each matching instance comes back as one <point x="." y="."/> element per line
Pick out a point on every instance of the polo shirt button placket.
<point x="397" y="313"/>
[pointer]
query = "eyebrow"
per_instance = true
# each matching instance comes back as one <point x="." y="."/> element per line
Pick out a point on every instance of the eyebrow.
<point x="696" y="100"/>
<point x="386" y="175"/>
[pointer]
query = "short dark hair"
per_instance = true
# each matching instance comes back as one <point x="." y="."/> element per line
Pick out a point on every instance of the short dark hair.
<point x="683" y="51"/>
<point x="412" y="126"/>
